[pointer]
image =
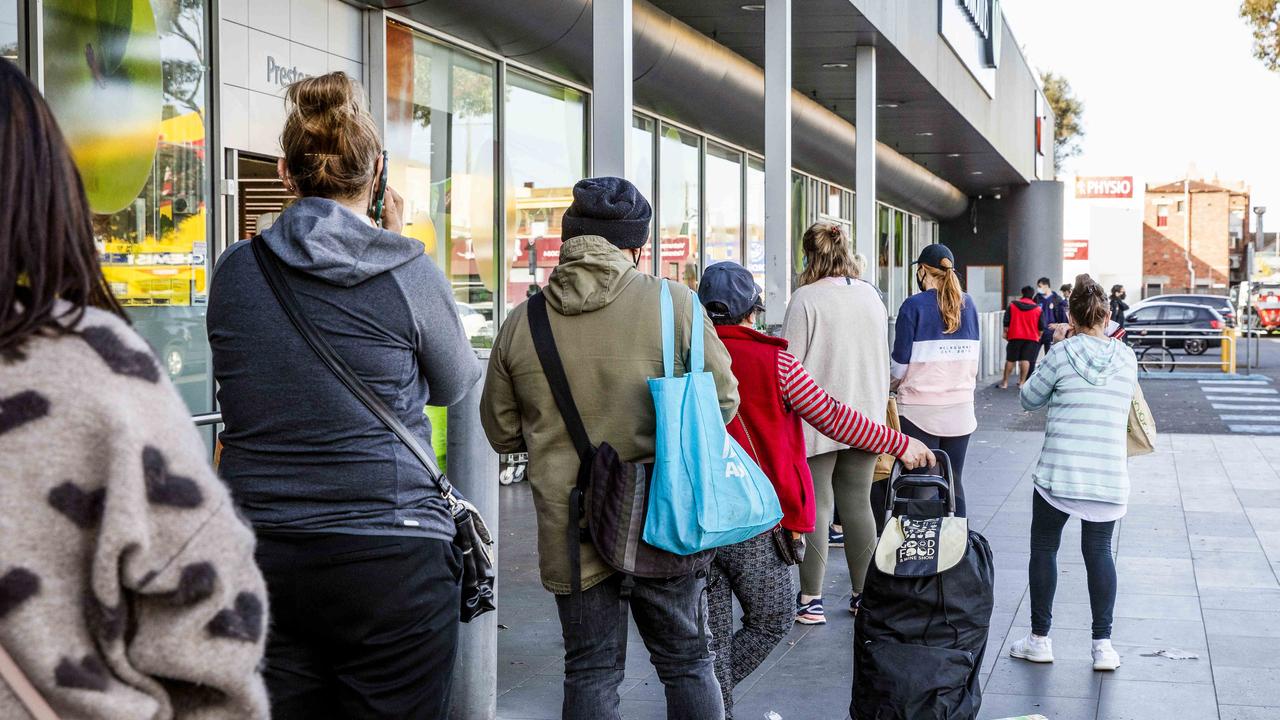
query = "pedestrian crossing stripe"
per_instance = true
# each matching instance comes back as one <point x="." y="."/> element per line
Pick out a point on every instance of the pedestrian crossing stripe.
<point x="1243" y="390"/>
<point x="1218" y="406"/>
<point x="1248" y="417"/>
<point x="1256" y="429"/>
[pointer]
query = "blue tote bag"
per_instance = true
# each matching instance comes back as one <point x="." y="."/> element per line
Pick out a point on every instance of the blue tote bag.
<point x="706" y="491"/>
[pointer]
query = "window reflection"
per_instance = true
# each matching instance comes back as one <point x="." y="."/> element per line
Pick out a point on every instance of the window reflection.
<point x="128" y="90"/>
<point x="642" y="175"/>
<point x="678" y="226"/>
<point x="755" y="219"/>
<point x="545" y="156"/>
<point x="724" y="205"/>
<point x="884" y="228"/>
<point x="440" y="140"/>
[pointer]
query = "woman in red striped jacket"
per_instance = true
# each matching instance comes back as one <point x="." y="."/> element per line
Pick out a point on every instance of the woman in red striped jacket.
<point x="776" y="394"/>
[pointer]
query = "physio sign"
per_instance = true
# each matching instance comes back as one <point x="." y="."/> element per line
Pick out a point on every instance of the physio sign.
<point x="1108" y="187"/>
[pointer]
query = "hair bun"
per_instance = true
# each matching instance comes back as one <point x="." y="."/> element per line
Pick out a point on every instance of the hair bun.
<point x="330" y="141"/>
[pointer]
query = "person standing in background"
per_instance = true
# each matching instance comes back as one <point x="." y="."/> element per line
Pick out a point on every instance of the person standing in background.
<point x="1022" y="330"/>
<point x="1118" y="305"/>
<point x="935" y="361"/>
<point x="836" y="327"/>
<point x="1065" y="290"/>
<point x="1053" y="310"/>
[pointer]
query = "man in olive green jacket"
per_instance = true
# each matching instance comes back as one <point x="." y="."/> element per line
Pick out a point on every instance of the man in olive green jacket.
<point x="605" y="316"/>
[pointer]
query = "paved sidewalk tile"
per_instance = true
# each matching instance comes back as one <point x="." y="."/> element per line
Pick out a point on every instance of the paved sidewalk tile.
<point x="1197" y="559"/>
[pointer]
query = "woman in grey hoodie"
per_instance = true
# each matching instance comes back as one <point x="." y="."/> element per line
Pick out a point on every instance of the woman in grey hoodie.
<point x="354" y="538"/>
<point x="1087" y="382"/>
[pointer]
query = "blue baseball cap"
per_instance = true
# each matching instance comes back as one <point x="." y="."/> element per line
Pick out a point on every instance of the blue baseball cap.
<point x="729" y="292"/>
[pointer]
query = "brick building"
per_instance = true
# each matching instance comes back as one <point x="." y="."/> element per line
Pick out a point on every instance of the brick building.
<point x="1218" y="214"/>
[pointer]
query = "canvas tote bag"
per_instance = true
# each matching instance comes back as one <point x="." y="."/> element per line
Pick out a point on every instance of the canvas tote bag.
<point x="1142" y="426"/>
<point x="706" y="490"/>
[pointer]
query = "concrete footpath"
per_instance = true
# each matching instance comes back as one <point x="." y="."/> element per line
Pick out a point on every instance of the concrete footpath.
<point x="1198" y="556"/>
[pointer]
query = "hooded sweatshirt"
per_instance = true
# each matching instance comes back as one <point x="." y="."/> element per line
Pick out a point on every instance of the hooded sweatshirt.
<point x="1024" y="320"/>
<point x="300" y="452"/>
<point x="1088" y="385"/>
<point x="606" y="321"/>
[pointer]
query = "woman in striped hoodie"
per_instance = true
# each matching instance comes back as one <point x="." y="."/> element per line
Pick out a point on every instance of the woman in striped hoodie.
<point x="1087" y="382"/>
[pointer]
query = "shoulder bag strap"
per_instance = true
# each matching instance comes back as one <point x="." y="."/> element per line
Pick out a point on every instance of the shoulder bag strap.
<point x="27" y="693"/>
<point x="270" y="266"/>
<point x="544" y="341"/>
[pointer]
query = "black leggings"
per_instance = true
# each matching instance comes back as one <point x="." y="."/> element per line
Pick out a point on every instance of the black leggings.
<point x="1047" y="522"/>
<point x="955" y="448"/>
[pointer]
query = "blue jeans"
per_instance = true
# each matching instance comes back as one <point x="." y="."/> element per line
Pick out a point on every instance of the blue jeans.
<point x="1047" y="522"/>
<point x="671" y="615"/>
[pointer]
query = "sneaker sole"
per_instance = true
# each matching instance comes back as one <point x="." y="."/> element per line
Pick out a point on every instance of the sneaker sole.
<point x="836" y="544"/>
<point x="811" y="620"/>
<point x="1031" y="658"/>
<point x="1105" y="667"/>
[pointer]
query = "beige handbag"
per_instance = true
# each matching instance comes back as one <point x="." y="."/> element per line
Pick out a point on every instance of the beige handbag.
<point x="1142" y="427"/>
<point x="27" y="694"/>
<point x="884" y="463"/>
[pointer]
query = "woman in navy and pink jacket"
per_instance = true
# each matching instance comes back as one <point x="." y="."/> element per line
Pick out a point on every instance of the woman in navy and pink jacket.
<point x="935" y="357"/>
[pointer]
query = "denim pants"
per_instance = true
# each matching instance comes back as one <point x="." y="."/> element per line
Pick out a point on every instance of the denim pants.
<point x="1095" y="543"/>
<point x="671" y="615"/>
<point x="752" y="571"/>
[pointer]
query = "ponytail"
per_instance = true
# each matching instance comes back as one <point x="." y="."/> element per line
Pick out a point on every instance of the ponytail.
<point x="950" y="296"/>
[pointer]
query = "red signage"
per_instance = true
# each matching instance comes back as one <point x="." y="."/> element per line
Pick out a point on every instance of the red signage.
<point x="1075" y="249"/>
<point x="1104" y="187"/>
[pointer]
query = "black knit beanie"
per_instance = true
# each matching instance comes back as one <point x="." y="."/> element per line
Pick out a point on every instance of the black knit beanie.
<point x="609" y="207"/>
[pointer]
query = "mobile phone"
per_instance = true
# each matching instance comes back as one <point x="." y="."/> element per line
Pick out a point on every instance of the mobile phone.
<point x="378" y="202"/>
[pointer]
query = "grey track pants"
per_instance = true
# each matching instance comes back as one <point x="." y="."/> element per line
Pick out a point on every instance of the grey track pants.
<point x="752" y="571"/>
<point x="840" y="479"/>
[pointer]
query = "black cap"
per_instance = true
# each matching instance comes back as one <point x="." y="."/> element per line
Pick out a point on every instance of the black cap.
<point x="728" y="291"/>
<point x="932" y="255"/>
<point x="610" y="207"/>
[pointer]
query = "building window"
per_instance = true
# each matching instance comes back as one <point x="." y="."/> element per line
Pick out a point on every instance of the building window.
<point x="801" y="218"/>
<point x="724" y="205"/>
<point x="1181" y="206"/>
<point x="545" y="155"/>
<point x="1162" y="216"/>
<point x="755" y="219"/>
<point x="678" y="188"/>
<point x="884" y="229"/>
<point x="440" y="139"/>
<point x="642" y="135"/>
<point x="9" y="33"/>
<point x="136" y="127"/>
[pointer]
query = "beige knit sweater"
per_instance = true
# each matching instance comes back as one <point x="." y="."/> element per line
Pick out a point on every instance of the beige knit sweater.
<point x="128" y="587"/>
<point x="840" y="332"/>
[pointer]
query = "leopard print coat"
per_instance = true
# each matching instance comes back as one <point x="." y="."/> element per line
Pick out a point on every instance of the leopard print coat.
<point x="128" y="587"/>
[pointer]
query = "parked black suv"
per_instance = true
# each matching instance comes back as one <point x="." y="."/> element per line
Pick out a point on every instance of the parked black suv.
<point x="1170" y="324"/>
<point x="1221" y="303"/>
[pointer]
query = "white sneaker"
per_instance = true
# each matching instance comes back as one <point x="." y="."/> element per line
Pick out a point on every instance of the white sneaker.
<point x="1105" y="657"/>
<point x="1034" y="648"/>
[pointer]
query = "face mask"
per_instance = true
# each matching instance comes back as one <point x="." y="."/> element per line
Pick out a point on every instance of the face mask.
<point x="920" y="280"/>
<point x="1124" y="295"/>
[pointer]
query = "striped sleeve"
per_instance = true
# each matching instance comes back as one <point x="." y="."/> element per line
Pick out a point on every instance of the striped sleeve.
<point x="831" y="417"/>
<point x="1036" y="391"/>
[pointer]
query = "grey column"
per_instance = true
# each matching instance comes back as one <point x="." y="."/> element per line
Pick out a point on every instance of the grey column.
<point x="777" y="159"/>
<point x="473" y="469"/>
<point x="1035" y="235"/>
<point x="611" y="23"/>
<point x="864" y="152"/>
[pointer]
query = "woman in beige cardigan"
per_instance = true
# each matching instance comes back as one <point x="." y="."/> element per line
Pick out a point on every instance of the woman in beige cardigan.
<point x="127" y="584"/>
<point x="837" y="327"/>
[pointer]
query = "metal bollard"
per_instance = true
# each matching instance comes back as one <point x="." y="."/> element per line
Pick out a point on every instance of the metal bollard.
<point x="473" y="469"/>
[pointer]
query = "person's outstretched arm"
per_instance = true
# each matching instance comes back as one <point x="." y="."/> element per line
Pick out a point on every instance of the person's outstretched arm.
<point x="831" y="417"/>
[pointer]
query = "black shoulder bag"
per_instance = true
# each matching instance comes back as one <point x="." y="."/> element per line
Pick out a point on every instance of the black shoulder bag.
<point x="472" y="536"/>
<point x="610" y="494"/>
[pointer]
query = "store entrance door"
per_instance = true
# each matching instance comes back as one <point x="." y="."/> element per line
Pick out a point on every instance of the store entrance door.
<point x="261" y="195"/>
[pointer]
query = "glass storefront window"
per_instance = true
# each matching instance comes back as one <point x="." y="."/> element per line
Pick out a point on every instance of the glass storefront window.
<point x="9" y="34"/>
<point x="724" y="205"/>
<point x="884" y="228"/>
<point x="755" y="219"/>
<point x="678" y="190"/>
<point x="545" y="154"/>
<point x="440" y="140"/>
<point x="901" y="271"/>
<point x="128" y="89"/>
<point x="642" y="129"/>
<point x="800" y="221"/>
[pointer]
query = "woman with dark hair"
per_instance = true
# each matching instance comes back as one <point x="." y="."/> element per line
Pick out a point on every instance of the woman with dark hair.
<point x="354" y="535"/>
<point x="1118" y="305"/>
<point x="127" y="584"/>
<point x="832" y="325"/>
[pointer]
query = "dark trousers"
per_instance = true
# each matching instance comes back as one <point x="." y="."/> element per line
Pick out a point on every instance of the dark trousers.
<point x="361" y="626"/>
<point x="1047" y="522"/>
<point x="671" y="615"/>
<point x="955" y="447"/>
